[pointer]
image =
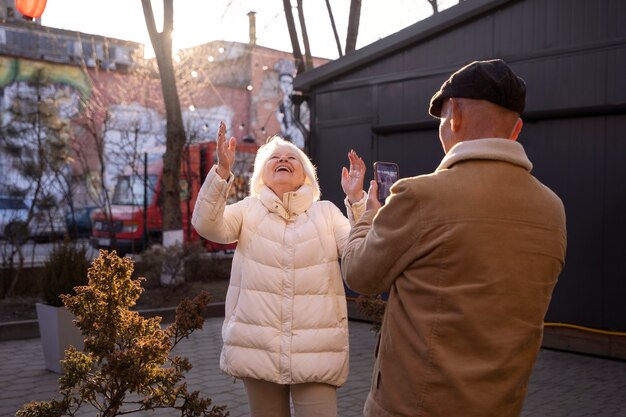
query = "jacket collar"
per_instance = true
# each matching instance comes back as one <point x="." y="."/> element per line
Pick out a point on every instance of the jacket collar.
<point x="292" y="204"/>
<point x="492" y="148"/>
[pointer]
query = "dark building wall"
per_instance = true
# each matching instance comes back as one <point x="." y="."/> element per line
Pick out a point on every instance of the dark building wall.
<point x="572" y="54"/>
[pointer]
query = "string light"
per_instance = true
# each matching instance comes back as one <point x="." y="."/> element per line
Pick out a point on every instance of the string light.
<point x="259" y="54"/>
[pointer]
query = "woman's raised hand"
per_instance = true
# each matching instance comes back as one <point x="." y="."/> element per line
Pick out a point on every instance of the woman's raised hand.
<point x="225" y="152"/>
<point x="352" y="179"/>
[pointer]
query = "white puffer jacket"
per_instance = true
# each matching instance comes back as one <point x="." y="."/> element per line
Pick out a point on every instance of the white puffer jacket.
<point x="285" y="314"/>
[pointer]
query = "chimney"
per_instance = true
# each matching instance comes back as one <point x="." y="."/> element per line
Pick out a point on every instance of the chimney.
<point x="252" y="19"/>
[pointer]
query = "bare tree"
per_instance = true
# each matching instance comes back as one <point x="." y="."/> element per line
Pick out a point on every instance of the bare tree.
<point x="334" y="26"/>
<point x="352" y="32"/>
<point x="353" y="25"/>
<point x="293" y="35"/>
<point x="308" y="60"/>
<point x="92" y="149"/>
<point x="175" y="130"/>
<point x="433" y="4"/>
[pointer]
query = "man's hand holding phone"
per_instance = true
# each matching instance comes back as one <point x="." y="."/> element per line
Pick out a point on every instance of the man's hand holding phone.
<point x="372" y="202"/>
<point x="385" y="175"/>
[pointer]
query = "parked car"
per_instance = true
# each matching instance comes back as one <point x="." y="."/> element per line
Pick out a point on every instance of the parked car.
<point x="44" y="225"/>
<point x="79" y="223"/>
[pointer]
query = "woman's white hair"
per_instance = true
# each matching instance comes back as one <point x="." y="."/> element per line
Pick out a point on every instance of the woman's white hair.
<point x="263" y="155"/>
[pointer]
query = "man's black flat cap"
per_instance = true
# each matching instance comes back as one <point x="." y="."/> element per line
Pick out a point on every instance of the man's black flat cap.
<point x="483" y="80"/>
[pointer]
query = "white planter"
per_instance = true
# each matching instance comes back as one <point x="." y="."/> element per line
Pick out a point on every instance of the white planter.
<point x="58" y="333"/>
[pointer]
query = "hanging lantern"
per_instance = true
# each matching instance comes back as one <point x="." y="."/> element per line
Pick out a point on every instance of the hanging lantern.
<point x="31" y="9"/>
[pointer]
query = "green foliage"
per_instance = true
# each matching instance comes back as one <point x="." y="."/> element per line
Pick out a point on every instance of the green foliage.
<point x="125" y="353"/>
<point x="65" y="269"/>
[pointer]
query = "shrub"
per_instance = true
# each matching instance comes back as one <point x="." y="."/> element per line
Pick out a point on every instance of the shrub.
<point x="65" y="268"/>
<point x="208" y="267"/>
<point x="373" y="307"/>
<point x="126" y="365"/>
<point x="168" y="262"/>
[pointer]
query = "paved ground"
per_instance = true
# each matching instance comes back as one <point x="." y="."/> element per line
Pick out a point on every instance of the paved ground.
<point x="562" y="384"/>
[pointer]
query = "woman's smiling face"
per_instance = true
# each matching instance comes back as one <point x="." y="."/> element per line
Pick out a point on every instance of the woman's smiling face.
<point x="283" y="171"/>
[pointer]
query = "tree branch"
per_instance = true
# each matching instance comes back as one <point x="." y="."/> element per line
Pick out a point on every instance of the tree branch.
<point x="293" y="35"/>
<point x="353" y="25"/>
<point x="332" y="23"/>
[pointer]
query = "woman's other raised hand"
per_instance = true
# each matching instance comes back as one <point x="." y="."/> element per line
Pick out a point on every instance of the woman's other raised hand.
<point x="352" y="179"/>
<point x="225" y="152"/>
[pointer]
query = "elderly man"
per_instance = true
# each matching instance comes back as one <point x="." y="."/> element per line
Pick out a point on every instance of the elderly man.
<point x="469" y="254"/>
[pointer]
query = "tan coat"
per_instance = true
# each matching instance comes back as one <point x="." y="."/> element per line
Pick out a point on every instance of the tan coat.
<point x="285" y="314"/>
<point x="470" y="255"/>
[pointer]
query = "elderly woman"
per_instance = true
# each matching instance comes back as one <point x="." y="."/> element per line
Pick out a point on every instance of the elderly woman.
<point x="285" y="327"/>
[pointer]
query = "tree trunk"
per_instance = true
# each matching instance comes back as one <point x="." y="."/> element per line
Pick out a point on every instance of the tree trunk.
<point x="293" y="35"/>
<point x="332" y="23"/>
<point x="308" y="60"/>
<point x="353" y="25"/>
<point x="175" y="131"/>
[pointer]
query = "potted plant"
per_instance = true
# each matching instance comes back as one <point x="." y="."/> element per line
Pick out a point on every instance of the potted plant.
<point x="65" y="268"/>
<point x="126" y="365"/>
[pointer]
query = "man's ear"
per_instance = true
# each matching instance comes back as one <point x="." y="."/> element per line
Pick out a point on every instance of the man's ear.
<point x="517" y="129"/>
<point x="456" y="115"/>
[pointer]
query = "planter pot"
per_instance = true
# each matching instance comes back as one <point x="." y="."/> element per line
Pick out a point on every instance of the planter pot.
<point x="58" y="333"/>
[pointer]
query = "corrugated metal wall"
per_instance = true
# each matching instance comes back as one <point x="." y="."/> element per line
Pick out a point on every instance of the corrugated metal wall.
<point x="572" y="54"/>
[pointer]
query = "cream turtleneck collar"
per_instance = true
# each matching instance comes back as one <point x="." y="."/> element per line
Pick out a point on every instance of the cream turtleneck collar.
<point x="292" y="204"/>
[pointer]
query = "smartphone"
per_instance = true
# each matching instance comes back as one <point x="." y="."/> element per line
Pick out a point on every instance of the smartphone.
<point x="385" y="174"/>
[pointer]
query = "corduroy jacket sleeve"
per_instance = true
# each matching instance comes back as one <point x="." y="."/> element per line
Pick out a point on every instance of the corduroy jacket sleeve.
<point x="378" y="246"/>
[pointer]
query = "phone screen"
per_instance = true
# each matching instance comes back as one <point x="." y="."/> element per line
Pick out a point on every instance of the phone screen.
<point x="385" y="174"/>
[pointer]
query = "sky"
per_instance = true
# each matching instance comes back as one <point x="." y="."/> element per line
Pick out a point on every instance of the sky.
<point x="200" y="21"/>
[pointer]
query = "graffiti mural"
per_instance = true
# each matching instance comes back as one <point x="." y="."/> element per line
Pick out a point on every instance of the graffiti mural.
<point x="14" y="70"/>
<point x="290" y="128"/>
<point x="37" y="102"/>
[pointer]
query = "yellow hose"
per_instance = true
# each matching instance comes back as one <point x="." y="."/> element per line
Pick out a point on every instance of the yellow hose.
<point x="567" y="325"/>
<point x="586" y="329"/>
